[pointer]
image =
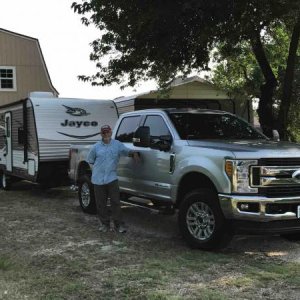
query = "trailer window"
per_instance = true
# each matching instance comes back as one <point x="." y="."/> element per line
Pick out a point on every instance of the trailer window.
<point x="127" y="128"/>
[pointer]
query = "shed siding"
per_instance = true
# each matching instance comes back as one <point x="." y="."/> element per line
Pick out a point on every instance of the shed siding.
<point x="31" y="74"/>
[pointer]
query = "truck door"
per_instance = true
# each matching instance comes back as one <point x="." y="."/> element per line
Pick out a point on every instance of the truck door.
<point x="8" y="141"/>
<point x="153" y="177"/>
<point x="127" y="167"/>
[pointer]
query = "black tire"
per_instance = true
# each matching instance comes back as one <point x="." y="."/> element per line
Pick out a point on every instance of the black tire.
<point x="86" y="195"/>
<point x="293" y="237"/>
<point x="4" y="182"/>
<point x="209" y="230"/>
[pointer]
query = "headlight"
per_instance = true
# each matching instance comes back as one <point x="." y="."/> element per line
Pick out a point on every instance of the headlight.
<point x="238" y="171"/>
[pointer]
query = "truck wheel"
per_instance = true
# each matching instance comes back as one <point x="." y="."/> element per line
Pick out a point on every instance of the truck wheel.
<point x="86" y="195"/>
<point x="5" y="183"/>
<point x="201" y="221"/>
<point x="293" y="237"/>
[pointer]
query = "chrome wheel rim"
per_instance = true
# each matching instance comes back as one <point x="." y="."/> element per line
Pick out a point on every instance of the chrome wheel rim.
<point x="85" y="195"/>
<point x="200" y="221"/>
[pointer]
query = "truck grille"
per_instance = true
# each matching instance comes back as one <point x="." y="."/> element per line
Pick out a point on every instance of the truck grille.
<point x="279" y="161"/>
<point x="274" y="177"/>
<point x="274" y="192"/>
<point x="281" y="208"/>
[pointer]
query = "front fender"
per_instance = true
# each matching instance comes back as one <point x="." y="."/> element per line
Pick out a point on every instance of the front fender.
<point x="212" y="168"/>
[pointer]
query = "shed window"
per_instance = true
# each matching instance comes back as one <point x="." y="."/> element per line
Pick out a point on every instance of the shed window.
<point x="7" y="78"/>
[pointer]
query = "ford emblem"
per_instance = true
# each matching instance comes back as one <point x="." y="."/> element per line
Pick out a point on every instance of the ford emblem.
<point x="296" y="175"/>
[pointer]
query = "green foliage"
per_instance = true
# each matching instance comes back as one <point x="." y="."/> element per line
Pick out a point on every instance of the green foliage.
<point x="160" y="39"/>
<point x="294" y="113"/>
<point x="237" y="70"/>
<point x="5" y="264"/>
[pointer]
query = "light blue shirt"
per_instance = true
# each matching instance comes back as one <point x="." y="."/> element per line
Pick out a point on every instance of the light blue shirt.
<point x="105" y="158"/>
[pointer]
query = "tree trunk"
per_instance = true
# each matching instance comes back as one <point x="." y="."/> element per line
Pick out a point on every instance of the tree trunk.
<point x="265" y="107"/>
<point x="288" y="81"/>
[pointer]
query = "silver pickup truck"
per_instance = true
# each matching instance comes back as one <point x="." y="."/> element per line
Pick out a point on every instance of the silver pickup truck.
<point x="220" y="174"/>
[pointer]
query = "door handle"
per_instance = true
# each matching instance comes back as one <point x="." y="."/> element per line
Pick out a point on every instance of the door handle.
<point x="172" y="163"/>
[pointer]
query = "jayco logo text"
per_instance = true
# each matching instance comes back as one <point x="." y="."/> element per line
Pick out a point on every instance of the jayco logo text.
<point x="79" y="124"/>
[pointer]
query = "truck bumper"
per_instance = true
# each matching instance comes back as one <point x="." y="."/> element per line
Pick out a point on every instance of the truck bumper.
<point x="260" y="208"/>
<point x="265" y="228"/>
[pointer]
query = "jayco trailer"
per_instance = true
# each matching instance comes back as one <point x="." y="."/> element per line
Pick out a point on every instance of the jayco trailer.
<point x="36" y="134"/>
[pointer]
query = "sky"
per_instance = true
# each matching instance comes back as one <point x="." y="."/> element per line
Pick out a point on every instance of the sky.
<point x="64" y="41"/>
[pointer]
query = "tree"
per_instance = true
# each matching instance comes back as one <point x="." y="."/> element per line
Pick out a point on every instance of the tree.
<point x="238" y="72"/>
<point x="157" y="39"/>
<point x="293" y="122"/>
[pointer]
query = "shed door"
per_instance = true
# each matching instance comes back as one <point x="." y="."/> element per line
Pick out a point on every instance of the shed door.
<point x="8" y="141"/>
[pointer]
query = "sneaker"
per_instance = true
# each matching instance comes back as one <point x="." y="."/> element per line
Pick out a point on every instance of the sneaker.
<point x="112" y="226"/>
<point x="103" y="228"/>
<point x="121" y="228"/>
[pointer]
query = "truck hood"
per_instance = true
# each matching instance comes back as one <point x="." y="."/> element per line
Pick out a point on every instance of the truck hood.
<point x="251" y="149"/>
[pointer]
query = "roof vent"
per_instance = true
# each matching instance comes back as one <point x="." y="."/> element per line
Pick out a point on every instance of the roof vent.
<point x="41" y="95"/>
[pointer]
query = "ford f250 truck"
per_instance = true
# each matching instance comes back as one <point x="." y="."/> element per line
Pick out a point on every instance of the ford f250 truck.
<point x="220" y="174"/>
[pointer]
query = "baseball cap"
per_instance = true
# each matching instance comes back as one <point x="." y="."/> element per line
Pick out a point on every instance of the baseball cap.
<point x="105" y="128"/>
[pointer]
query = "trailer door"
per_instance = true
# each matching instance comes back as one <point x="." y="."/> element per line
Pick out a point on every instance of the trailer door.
<point x="8" y="141"/>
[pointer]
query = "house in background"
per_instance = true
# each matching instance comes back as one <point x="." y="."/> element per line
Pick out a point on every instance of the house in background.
<point x="22" y="67"/>
<point x="193" y="92"/>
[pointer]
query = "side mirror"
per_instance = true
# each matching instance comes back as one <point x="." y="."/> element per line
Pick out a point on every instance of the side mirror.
<point x="141" y="137"/>
<point x="275" y="135"/>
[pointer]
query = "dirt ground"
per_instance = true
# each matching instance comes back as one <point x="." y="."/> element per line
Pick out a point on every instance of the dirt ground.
<point x="50" y="249"/>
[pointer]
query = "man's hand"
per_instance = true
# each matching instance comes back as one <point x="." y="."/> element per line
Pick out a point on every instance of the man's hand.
<point x="136" y="156"/>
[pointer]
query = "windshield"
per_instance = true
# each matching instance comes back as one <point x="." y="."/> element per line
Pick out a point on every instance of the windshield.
<point x="195" y="126"/>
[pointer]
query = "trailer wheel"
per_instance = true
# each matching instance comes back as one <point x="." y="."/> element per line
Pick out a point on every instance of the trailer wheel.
<point x="201" y="221"/>
<point x="86" y="195"/>
<point x="5" y="182"/>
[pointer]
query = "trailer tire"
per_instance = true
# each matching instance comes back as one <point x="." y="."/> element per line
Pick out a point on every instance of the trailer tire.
<point x="4" y="182"/>
<point x="86" y="195"/>
<point x="201" y="221"/>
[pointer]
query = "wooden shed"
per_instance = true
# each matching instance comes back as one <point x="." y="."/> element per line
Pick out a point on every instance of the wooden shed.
<point x="189" y="92"/>
<point x="22" y="67"/>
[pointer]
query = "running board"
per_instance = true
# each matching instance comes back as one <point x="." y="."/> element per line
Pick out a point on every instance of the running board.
<point x="164" y="210"/>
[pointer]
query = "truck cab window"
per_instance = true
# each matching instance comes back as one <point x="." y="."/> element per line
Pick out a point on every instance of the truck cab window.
<point x="127" y="128"/>
<point x="194" y="126"/>
<point x="157" y="127"/>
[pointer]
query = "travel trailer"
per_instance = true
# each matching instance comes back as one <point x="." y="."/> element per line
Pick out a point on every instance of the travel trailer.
<point x="36" y="134"/>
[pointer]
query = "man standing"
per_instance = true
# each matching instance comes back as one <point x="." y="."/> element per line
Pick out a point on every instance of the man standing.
<point x="104" y="156"/>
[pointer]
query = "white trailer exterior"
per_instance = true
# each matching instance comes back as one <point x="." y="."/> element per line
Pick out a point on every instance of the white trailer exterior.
<point x="36" y="134"/>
